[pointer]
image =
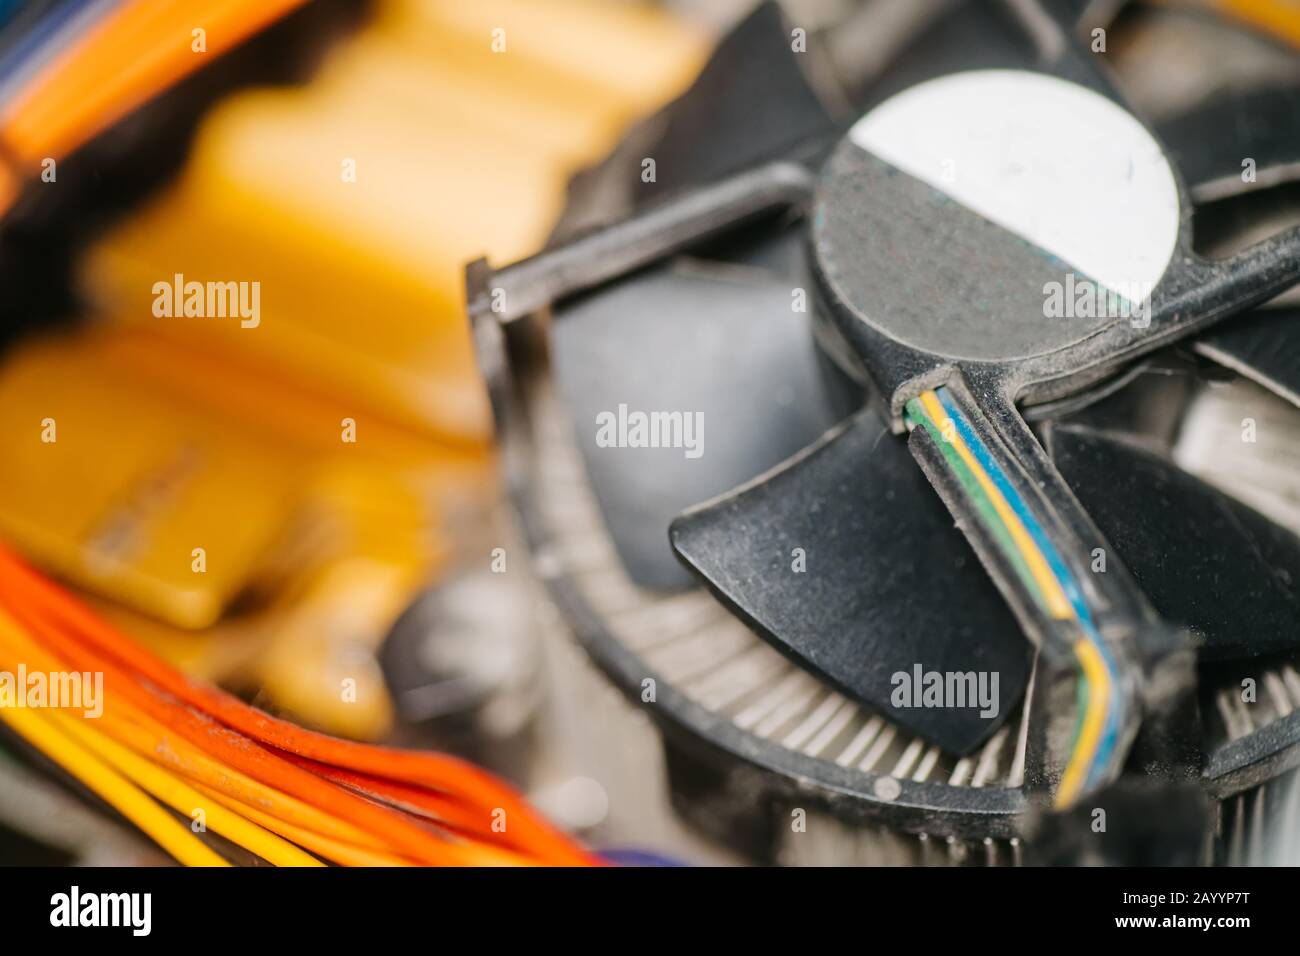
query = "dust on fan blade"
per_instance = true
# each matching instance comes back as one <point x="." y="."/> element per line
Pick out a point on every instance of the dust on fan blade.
<point x="708" y="362"/>
<point x="1263" y="346"/>
<point x="1204" y="559"/>
<point x="846" y="560"/>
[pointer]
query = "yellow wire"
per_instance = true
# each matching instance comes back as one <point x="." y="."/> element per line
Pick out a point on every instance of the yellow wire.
<point x="115" y="789"/>
<point x="184" y="798"/>
<point x="347" y="854"/>
<point x="151" y="740"/>
<point x="99" y="777"/>
<point x="1094" y="669"/>
<point x="1057" y="603"/>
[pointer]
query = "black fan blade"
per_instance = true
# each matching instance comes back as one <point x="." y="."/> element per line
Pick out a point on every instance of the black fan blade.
<point x="1212" y="144"/>
<point x="721" y="344"/>
<point x="1205" y="560"/>
<point x="753" y="101"/>
<point x="966" y="36"/>
<point x="1263" y="346"/>
<point x="890" y="584"/>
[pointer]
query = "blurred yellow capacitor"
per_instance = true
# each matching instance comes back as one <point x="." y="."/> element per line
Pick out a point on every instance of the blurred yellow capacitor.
<point x="130" y="492"/>
<point x="303" y="637"/>
<point x="356" y="201"/>
<point x="321" y="666"/>
<point x="552" y="123"/>
<point x="636" y="56"/>
<point x="306" y="423"/>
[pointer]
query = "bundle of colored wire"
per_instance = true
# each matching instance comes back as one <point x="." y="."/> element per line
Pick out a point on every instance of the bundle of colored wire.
<point x="1016" y="532"/>
<point x="85" y="64"/>
<point x="286" y="795"/>
<point x="43" y="31"/>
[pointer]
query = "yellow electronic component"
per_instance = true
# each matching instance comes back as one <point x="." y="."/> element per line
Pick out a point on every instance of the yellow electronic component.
<point x="321" y="666"/>
<point x="310" y="655"/>
<point x="115" y="487"/>
<point x="334" y="319"/>
<point x="308" y="423"/>
<point x="558" y="122"/>
<point x="355" y="202"/>
<point x="635" y="57"/>
<point x="304" y="636"/>
<point x="214" y="654"/>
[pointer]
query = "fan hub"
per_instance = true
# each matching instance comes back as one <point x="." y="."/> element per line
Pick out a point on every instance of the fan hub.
<point x="993" y="216"/>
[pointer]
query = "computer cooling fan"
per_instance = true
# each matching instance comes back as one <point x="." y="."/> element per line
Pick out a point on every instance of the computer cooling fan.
<point x="914" y="378"/>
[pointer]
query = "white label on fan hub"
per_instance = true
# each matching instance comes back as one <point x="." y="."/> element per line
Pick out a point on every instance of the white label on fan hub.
<point x="1063" y="167"/>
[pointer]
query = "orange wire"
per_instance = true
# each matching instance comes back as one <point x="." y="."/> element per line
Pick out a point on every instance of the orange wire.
<point x="417" y="800"/>
<point x="341" y="852"/>
<point x="336" y="840"/>
<point x="150" y="739"/>
<point x="247" y="756"/>
<point x="121" y="62"/>
<point x="162" y="747"/>
<point x="435" y="771"/>
<point x="34" y="598"/>
<point x="337" y="851"/>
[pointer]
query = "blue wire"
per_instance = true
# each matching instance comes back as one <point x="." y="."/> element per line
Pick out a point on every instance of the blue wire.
<point x="986" y="460"/>
<point x="1071" y="588"/>
<point x="633" y="856"/>
<point x="50" y="33"/>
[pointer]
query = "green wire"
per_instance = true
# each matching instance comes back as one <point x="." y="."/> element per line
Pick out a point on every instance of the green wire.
<point x="1082" y="686"/>
<point x="979" y="498"/>
<point x="989" y="517"/>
